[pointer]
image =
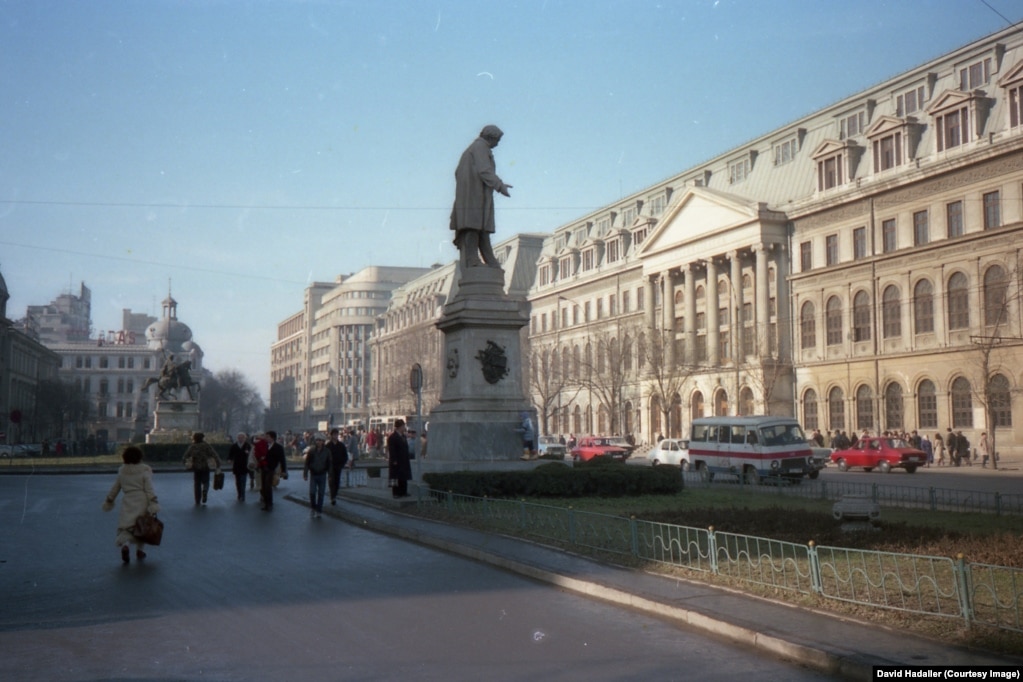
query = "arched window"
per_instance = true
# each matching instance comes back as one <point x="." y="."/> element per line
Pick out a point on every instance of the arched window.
<point x="864" y="408"/>
<point x="602" y="420"/>
<point x="996" y="286"/>
<point x="655" y="417"/>
<point x="678" y="299"/>
<point x="696" y="406"/>
<point x="721" y="403"/>
<point x="1000" y="401"/>
<point x="577" y="421"/>
<point x="600" y="358"/>
<point x="627" y="354"/>
<point x="746" y="404"/>
<point x="923" y="307"/>
<point x="836" y="408"/>
<point x="807" y="326"/>
<point x="833" y="321"/>
<point x="575" y="361"/>
<point x="810" y="410"/>
<point x="627" y="426"/>
<point x="962" y="404"/>
<point x="893" y="407"/>
<point x="861" y="316"/>
<point x="891" y="312"/>
<point x="926" y="405"/>
<point x="958" y="301"/>
<point x="641" y="352"/>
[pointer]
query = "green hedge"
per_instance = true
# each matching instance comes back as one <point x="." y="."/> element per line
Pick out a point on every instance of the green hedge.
<point x="560" y="480"/>
<point x="175" y="452"/>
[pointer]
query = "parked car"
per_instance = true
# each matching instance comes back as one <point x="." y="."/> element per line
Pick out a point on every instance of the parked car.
<point x="551" y="447"/>
<point x="883" y="454"/>
<point x="596" y="446"/>
<point x="623" y="443"/>
<point x="670" y="451"/>
<point x="20" y="450"/>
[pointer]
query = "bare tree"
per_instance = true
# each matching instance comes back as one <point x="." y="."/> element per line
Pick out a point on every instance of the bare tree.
<point x="665" y="378"/>
<point x="550" y="380"/>
<point x="765" y="371"/>
<point x="58" y="404"/>
<point x="230" y="402"/>
<point x="607" y="370"/>
<point x="999" y="344"/>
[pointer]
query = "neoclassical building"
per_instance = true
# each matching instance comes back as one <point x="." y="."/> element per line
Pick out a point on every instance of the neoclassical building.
<point x="858" y="268"/>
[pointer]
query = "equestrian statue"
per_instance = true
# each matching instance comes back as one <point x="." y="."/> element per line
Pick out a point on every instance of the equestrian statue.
<point x="173" y="377"/>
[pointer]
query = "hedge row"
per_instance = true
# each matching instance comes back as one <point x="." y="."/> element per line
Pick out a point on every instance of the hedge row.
<point x="560" y="480"/>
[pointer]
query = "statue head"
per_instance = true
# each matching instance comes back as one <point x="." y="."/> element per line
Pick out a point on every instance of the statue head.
<point x="492" y="134"/>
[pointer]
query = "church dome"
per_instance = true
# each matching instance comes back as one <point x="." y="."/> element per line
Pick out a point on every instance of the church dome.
<point x="169" y="334"/>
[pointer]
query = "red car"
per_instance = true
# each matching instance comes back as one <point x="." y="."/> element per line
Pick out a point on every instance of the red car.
<point x="593" y="446"/>
<point x="883" y="454"/>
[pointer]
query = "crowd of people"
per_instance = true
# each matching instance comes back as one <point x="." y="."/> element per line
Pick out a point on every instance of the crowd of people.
<point x="952" y="449"/>
<point x="259" y="463"/>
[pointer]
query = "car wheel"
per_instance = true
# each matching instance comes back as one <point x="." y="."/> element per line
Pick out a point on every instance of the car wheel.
<point x="843" y="465"/>
<point x="884" y="467"/>
<point x="813" y="475"/>
<point x="910" y="469"/>
<point x="655" y="462"/>
<point x="751" y="476"/>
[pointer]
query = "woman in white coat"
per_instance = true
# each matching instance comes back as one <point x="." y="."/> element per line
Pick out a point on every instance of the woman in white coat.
<point x="135" y="480"/>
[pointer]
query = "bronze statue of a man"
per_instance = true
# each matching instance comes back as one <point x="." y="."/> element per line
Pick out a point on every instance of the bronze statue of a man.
<point x="472" y="217"/>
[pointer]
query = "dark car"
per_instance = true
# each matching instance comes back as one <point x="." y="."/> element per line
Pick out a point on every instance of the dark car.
<point x="883" y="454"/>
<point x="595" y="446"/>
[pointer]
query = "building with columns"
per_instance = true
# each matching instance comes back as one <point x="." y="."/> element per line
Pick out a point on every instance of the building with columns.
<point x="858" y="268"/>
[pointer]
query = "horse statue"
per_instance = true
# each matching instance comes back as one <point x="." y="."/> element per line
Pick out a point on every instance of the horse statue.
<point x="173" y="377"/>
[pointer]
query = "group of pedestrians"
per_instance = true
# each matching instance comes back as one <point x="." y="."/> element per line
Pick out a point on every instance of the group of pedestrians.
<point x="952" y="449"/>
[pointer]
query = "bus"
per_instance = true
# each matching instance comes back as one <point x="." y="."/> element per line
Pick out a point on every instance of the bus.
<point x="754" y="449"/>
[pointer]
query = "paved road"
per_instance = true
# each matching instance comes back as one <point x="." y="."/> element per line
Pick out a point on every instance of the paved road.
<point x="238" y="594"/>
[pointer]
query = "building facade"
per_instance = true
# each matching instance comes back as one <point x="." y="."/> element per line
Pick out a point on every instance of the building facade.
<point x="24" y="365"/>
<point x="858" y="268"/>
<point x="320" y="363"/>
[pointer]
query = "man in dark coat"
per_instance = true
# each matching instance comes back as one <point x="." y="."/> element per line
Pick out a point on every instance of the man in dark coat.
<point x="239" y="458"/>
<point x="338" y="460"/>
<point x="399" y="465"/>
<point x="472" y="217"/>
<point x="274" y="458"/>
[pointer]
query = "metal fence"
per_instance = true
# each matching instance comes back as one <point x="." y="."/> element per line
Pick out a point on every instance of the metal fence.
<point x="934" y="586"/>
<point x="911" y="497"/>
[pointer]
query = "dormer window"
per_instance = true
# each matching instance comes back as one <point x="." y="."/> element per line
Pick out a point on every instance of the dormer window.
<point x="566" y="266"/>
<point x="614" y="250"/>
<point x="852" y="125"/>
<point x="1013" y="85"/>
<point x="628" y="216"/>
<point x="836" y="163"/>
<point x="957" y="119"/>
<point x="589" y="259"/>
<point x="579" y="235"/>
<point x="603" y="226"/>
<point x="892" y="142"/>
<point x="739" y="169"/>
<point x="656" y="205"/>
<point x="910" y="101"/>
<point x="785" y="150"/>
<point x="975" y="75"/>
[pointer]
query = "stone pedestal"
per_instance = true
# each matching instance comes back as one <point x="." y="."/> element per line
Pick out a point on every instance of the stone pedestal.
<point x="482" y="395"/>
<point x="174" y="421"/>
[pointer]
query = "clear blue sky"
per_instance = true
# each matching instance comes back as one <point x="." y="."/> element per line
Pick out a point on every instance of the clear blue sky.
<point x="245" y="149"/>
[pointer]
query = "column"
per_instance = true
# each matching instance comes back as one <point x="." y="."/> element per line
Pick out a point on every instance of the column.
<point x="649" y="314"/>
<point x="736" y="299"/>
<point x="668" y="325"/>
<point x="780" y="300"/>
<point x="760" y="313"/>
<point x="713" y="323"/>
<point x="690" y="315"/>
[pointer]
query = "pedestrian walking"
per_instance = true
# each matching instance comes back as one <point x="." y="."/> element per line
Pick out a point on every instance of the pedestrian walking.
<point x="198" y="459"/>
<point x="314" y="470"/>
<point x="528" y="436"/>
<point x="338" y="460"/>
<point x="238" y="455"/>
<point x="135" y="480"/>
<point x="399" y="466"/>
<point x="963" y="448"/>
<point x="275" y="463"/>
<point x="984" y="449"/>
<point x="928" y="448"/>
<point x="939" y="449"/>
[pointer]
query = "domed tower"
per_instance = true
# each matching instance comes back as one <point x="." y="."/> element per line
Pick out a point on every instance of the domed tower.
<point x="173" y="336"/>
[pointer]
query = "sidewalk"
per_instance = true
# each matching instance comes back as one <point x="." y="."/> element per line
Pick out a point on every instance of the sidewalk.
<point x="831" y="644"/>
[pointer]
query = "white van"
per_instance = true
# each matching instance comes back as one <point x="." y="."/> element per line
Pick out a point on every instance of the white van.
<point x="753" y="448"/>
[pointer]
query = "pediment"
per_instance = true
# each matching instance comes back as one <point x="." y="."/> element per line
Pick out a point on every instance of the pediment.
<point x="698" y="212"/>
<point x="829" y="147"/>
<point x="887" y="124"/>
<point x="949" y="99"/>
<point x="1014" y="75"/>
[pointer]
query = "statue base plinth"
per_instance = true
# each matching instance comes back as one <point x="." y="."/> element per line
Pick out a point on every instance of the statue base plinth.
<point x="482" y="395"/>
<point x="174" y="421"/>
